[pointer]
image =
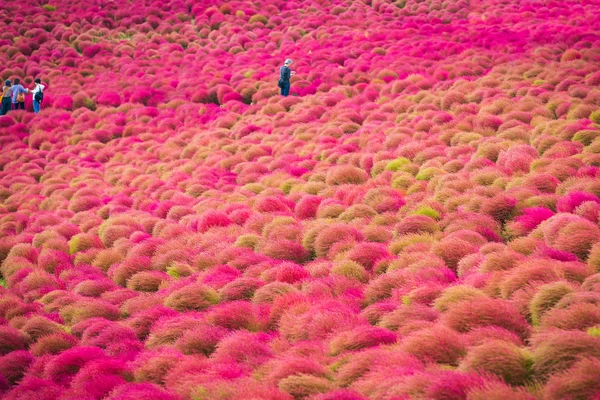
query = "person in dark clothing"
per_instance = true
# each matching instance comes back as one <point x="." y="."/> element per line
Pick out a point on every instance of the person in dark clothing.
<point x="285" y="73"/>
<point x="6" y="97"/>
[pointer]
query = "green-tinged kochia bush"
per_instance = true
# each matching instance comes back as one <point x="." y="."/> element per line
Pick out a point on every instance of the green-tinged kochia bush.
<point x="503" y="359"/>
<point x="303" y="385"/>
<point x="557" y="351"/>
<point x="455" y="294"/>
<point x="546" y="297"/>
<point x="350" y="269"/>
<point x="193" y="297"/>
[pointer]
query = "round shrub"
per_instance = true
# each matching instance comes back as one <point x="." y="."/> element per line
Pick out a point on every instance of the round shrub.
<point x="350" y="270"/>
<point x="438" y="344"/>
<point x="11" y="340"/>
<point x="241" y="288"/>
<point x="364" y="364"/>
<point x="346" y="174"/>
<point x="570" y="233"/>
<point x="581" y="381"/>
<point x="546" y="297"/>
<point x="153" y="366"/>
<point x="147" y="281"/>
<point x="503" y="359"/>
<point x="333" y="234"/>
<point x="202" y="340"/>
<point x="251" y="349"/>
<point x="98" y="378"/>
<point x="368" y="254"/>
<point x="285" y="250"/>
<point x="405" y="315"/>
<point x="499" y="391"/>
<point x="557" y="351"/>
<point x="120" y="273"/>
<point x="53" y="344"/>
<point x="194" y="296"/>
<point x="456" y="294"/>
<point x="484" y="334"/>
<point x="34" y="388"/>
<point x="292" y="365"/>
<point x="63" y="367"/>
<point x="89" y="308"/>
<point x="14" y="365"/>
<point x="135" y="391"/>
<point x="269" y="292"/>
<point x="470" y="314"/>
<point x="576" y="317"/>
<point x="359" y="338"/>
<point x="452" y="250"/>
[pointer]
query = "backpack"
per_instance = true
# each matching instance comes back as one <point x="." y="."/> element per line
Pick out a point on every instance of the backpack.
<point x="39" y="96"/>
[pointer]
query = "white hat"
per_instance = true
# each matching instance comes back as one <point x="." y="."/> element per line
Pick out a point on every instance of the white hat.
<point x="288" y="61"/>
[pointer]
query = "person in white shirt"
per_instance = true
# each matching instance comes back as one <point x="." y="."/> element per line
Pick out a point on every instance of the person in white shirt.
<point x="37" y="98"/>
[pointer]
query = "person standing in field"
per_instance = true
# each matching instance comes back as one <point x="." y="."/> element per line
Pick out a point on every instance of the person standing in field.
<point x="285" y="73"/>
<point x="38" y="95"/>
<point x="18" y="95"/>
<point x="6" y="97"/>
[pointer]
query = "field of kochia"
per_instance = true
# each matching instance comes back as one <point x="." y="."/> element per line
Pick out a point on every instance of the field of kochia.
<point x="419" y="219"/>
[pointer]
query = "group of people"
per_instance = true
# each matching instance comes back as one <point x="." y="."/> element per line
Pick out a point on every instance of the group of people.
<point x="13" y="93"/>
<point x="13" y="96"/>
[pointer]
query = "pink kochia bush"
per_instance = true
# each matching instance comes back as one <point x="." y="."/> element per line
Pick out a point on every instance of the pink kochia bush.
<point x="418" y="219"/>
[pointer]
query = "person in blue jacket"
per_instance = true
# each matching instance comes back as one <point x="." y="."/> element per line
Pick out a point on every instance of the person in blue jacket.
<point x="18" y="93"/>
<point x="285" y="73"/>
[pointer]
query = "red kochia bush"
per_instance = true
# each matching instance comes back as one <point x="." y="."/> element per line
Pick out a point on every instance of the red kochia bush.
<point x="34" y="388"/>
<point x="570" y="233"/>
<point x="240" y="315"/>
<point x="11" y="340"/>
<point x="282" y="368"/>
<point x="367" y="254"/>
<point x="201" y="340"/>
<point x="285" y="250"/>
<point x="136" y="391"/>
<point x="557" y="351"/>
<point x="98" y="378"/>
<point x="467" y="315"/>
<point x="333" y="234"/>
<point x="14" y="365"/>
<point x="244" y="347"/>
<point x="211" y="219"/>
<point x="573" y="200"/>
<point x="361" y="337"/>
<point x="438" y="344"/>
<point x="346" y="174"/>
<point x="307" y="207"/>
<point x="38" y="326"/>
<point x="529" y="219"/>
<point x="582" y="381"/>
<point x="108" y="98"/>
<point x="63" y="367"/>
<point x="503" y="359"/>
<point x="153" y="366"/>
